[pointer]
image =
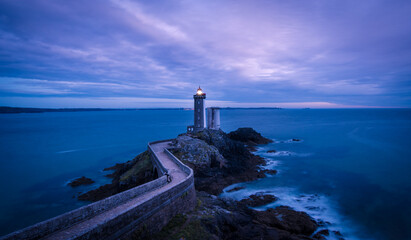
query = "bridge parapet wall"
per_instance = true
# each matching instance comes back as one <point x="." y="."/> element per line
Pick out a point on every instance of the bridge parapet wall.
<point x="156" y="162"/>
<point x="68" y="219"/>
<point x="182" y="166"/>
<point x="142" y="218"/>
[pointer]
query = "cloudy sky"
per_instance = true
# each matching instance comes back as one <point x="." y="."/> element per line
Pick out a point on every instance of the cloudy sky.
<point x="121" y="53"/>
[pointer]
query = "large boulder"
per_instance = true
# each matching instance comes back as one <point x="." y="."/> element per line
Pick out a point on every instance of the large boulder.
<point x="239" y="158"/>
<point x="288" y="219"/>
<point x="217" y="160"/>
<point x="248" y="136"/>
<point x="197" y="152"/>
<point x="81" y="181"/>
<point x="259" y="199"/>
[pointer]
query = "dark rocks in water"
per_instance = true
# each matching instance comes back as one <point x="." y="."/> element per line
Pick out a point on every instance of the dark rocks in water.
<point x="322" y="223"/>
<point x="271" y="151"/>
<point x="337" y="233"/>
<point x="259" y="199"/>
<point x="322" y="234"/>
<point x="81" y="181"/>
<point x="289" y="220"/>
<point x="125" y="176"/>
<point x="248" y="136"/>
<point x="296" y="140"/>
<point x="217" y="218"/>
<point x="114" y="168"/>
<point x="319" y="237"/>
<point x="251" y="148"/>
<point x="235" y="189"/>
<point x="269" y="171"/>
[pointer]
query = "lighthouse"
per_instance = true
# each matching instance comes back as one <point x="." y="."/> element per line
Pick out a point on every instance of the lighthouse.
<point x="213" y="114"/>
<point x="199" y="110"/>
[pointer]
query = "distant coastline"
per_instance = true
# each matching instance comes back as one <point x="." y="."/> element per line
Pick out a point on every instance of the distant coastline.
<point x="4" y="109"/>
<point x="43" y="110"/>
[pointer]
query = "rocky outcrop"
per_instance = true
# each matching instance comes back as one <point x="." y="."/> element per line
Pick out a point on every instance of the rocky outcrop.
<point x="216" y="218"/>
<point x="197" y="152"/>
<point x="125" y="176"/>
<point x="259" y="199"/>
<point x="248" y="136"/>
<point x="322" y="234"/>
<point x="269" y="171"/>
<point x="287" y="219"/>
<point x="81" y="181"/>
<point x="217" y="160"/>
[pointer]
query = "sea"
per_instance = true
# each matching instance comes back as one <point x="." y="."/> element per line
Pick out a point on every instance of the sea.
<point x="350" y="169"/>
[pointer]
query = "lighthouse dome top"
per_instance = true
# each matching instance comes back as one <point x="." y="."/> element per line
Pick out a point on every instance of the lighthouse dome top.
<point x="200" y="91"/>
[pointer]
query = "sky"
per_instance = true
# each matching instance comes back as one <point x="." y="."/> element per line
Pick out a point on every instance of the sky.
<point x="259" y="53"/>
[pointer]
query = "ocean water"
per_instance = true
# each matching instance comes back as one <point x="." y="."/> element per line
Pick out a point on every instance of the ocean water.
<point x="350" y="170"/>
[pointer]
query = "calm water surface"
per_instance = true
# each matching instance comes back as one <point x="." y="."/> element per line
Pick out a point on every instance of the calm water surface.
<point x="351" y="167"/>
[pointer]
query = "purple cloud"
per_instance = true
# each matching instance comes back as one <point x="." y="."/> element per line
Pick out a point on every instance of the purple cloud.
<point x="259" y="52"/>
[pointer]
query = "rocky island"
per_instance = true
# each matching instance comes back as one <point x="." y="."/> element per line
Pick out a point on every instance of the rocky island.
<point x="218" y="160"/>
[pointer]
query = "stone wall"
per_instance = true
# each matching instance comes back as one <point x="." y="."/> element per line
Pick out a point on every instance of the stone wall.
<point x="156" y="162"/>
<point x="183" y="202"/>
<point x="142" y="219"/>
<point x="68" y="219"/>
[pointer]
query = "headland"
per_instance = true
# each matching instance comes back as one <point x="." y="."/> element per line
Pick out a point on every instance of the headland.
<point x="219" y="160"/>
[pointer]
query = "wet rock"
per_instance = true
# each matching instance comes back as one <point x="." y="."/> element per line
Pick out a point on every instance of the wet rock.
<point x="252" y="148"/>
<point x="220" y="218"/>
<point x="269" y="171"/>
<point x="271" y="151"/>
<point x="296" y="140"/>
<point x="81" y="181"/>
<point x="259" y="199"/>
<point x="322" y="234"/>
<point x="248" y="136"/>
<point x="287" y="219"/>
<point x="235" y="189"/>
<point x="338" y="235"/>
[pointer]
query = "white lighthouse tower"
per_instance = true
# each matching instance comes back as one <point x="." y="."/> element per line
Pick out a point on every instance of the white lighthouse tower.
<point x="213" y="114"/>
<point x="213" y="118"/>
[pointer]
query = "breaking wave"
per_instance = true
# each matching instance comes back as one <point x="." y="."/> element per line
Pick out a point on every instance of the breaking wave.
<point x="292" y="140"/>
<point x="285" y="154"/>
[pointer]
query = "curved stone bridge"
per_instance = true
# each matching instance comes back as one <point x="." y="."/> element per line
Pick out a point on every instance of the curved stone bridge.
<point x="138" y="211"/>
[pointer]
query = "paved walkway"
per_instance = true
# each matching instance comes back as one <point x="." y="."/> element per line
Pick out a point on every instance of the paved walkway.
<point x="177" y="176"/>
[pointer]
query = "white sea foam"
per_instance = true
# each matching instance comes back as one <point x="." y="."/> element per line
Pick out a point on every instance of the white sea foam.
<point x="285" y="154"/>
<point x="319" y="207"/>
<point x="270" y="163"/>
<point x="292" y="140"/>
<point x="92" y="148"/>
<point x="71" y="150"/>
